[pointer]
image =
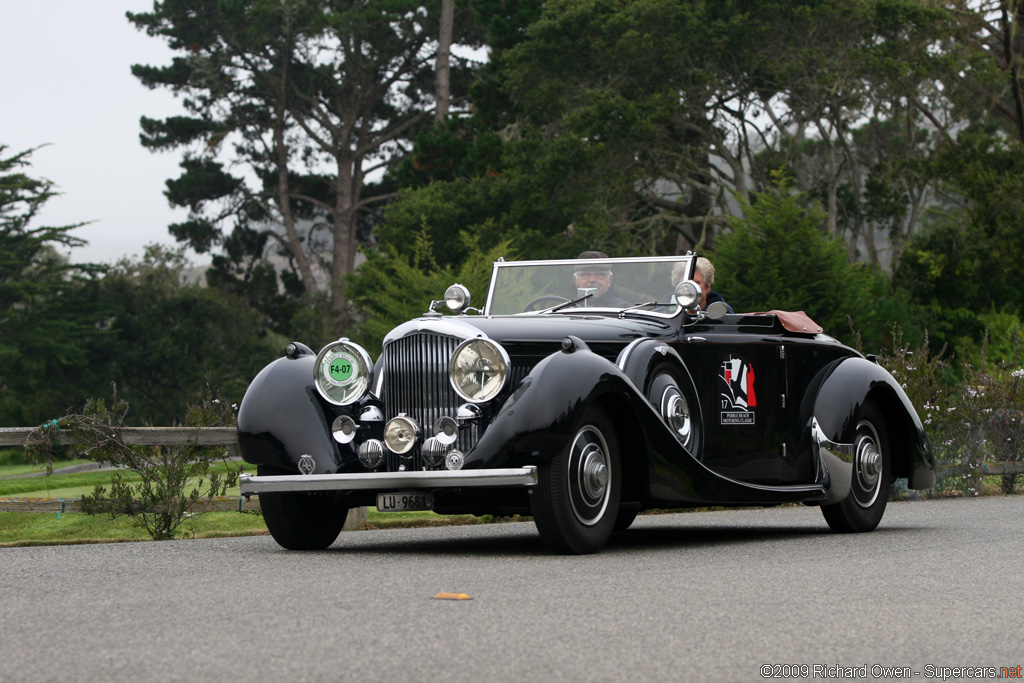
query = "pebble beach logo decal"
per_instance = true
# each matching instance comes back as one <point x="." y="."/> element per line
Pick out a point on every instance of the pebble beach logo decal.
<point x="737" y="388"/>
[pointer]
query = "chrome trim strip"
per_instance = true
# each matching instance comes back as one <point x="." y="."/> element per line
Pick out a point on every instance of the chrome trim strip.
<point x="835" y="461"/>
<point x="447" y="326"/>
<point x="508" y="477"/>
<point x="844" y="451"/>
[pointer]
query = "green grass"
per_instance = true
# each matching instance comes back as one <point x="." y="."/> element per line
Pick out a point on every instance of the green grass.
<point x="36" y="528"/>
<point x="76" y="484"/>
<point x="17" y="470"/>
<point x="45" y="528"/>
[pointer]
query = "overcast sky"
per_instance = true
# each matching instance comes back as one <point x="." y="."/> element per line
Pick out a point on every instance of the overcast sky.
<point x="65" y="82"/>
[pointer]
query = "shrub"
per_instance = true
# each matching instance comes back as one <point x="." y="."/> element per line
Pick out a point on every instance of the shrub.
<point x="173" y="478"/>
<point x="972" y="410"/>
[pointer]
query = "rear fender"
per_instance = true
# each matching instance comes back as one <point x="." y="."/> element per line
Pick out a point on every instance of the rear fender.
<point x="842" y="389"/>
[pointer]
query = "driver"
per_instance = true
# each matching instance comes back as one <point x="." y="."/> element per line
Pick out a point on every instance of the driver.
<point x="597" y="277"/>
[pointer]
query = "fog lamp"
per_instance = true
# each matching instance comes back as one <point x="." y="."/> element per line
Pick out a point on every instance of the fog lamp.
<point x="343" y="429"/>
<point x="401" y="434"/>
<point x="371" y="454"/>
<point x="433" y="451"/>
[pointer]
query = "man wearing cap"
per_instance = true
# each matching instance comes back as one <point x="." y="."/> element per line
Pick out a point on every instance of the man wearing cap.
<point x="597" y="277"/>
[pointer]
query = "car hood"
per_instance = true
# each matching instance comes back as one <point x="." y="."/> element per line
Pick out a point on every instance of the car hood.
<point x="512" y="329"/>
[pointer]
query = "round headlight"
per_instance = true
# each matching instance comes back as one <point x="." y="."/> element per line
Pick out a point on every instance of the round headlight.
<point x="456" y="298"/>
<point x="343" y="372"/>
<point x="478" y="370"/>
<point x="688" y="294"/>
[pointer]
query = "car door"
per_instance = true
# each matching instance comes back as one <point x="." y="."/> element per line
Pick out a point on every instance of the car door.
<point x="742" y="387"/>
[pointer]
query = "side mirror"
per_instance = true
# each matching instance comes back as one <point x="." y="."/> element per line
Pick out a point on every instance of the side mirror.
<point x="717" y="310"/>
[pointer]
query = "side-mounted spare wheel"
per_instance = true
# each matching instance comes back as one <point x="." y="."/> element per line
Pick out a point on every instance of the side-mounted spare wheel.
<point x="576" y="500"/>
<point x="862" y="510"/>
<point x="302" y="521"/>
<point x="674" y="397"/>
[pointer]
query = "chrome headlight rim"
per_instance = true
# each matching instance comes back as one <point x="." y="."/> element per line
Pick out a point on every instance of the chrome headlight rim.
<point x="342" y="388"/>
<point x="494" y="389"/>
<point x="688" y="294"/>
<point x="402" y="434"/>
<point x="457" y="298"/>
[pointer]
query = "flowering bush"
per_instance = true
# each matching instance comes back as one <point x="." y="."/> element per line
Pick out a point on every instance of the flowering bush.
<point x="972" y="411"/>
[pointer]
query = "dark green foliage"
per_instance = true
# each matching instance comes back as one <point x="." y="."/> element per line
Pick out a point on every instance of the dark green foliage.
<point x="301" y="100"/>
<point x="392" y="287"/>
<point x="968" y="264"/>
<point x="777" y="257"/>
<point x="49" y="308"/>
<point x="169" y="339"/>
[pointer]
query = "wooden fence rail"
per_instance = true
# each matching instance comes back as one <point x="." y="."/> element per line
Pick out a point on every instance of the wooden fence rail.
<point x="144" y="436"/>
<point x="228" y="436"/>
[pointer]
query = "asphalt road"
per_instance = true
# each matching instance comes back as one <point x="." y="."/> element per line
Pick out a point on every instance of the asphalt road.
<point x="680" y="597"/>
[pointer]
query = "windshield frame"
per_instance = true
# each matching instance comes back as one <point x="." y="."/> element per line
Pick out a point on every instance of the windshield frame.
<point x="499" y="267"/>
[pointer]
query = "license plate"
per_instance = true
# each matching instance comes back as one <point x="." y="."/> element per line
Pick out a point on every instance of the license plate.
<point x="404" y="502"/>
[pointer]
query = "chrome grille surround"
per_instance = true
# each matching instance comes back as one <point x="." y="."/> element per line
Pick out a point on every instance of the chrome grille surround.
<point x="415" y="382"/>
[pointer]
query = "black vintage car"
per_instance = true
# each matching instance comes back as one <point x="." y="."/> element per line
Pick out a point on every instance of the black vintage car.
<point x="584" y="392"/>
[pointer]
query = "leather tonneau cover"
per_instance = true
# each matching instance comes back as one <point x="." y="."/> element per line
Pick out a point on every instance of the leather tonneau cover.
<point x="794" y="321"/>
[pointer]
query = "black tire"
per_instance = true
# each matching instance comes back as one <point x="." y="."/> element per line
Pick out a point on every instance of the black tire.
<point x="863" y="508"/>
<point x="670" y="393"/>
<point x="302" y="521"/>
<point x="624" y="519"/>
<point x="576" y="501"/>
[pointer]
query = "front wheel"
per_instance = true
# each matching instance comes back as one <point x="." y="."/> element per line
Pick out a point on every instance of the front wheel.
<point x="576" y="501"/>
<point x="863" y="508"/>
<point x="302" y="521"/>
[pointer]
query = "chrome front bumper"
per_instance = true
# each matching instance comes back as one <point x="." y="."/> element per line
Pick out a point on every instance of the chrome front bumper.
<point x="388" y="481"/>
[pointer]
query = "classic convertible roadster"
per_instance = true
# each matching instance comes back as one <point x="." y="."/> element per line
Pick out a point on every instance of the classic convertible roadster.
<point x="580" y="398"/>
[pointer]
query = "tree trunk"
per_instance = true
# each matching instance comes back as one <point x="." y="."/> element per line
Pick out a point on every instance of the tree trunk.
<point x="444" y="54"/>
<point x="1010" y="26"/>
<point x="284" y="202"/>
<point x="348" y="187"/>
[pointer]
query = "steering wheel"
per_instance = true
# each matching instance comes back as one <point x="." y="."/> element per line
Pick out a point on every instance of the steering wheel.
<point x="548" y="299"/>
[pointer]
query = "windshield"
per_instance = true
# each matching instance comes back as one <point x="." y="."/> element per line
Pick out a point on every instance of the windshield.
<point x="567" y="286"/>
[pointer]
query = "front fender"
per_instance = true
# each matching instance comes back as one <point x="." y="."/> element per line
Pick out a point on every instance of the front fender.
<point x="282" y="418"/>
<point x="537" y="421"/>
<point x="842" y="389"/>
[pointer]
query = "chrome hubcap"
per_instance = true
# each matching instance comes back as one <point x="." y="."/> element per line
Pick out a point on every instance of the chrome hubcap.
<point x="867" y="484"/>
<point x="589" y="475"/>
<point x="595" y="473"/>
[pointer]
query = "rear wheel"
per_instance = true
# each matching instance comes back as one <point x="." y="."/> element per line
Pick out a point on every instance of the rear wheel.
<point x="863" y="508"/>
<point x="576" y="501"/>
<point x="302" y="521"/>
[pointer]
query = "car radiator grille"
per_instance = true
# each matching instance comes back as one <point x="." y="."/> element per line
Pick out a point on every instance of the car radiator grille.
<point x="416" y="383"/>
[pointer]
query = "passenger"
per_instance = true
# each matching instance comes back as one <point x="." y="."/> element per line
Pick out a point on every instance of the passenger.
<point x="703" y="275"/>
<point x="596" y="277"/>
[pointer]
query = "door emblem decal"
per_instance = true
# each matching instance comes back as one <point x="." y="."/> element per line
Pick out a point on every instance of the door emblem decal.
<point x="738" y="398"/>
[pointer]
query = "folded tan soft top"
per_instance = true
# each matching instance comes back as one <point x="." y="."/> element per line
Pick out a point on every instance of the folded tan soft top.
<point x="794" y="321"/>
